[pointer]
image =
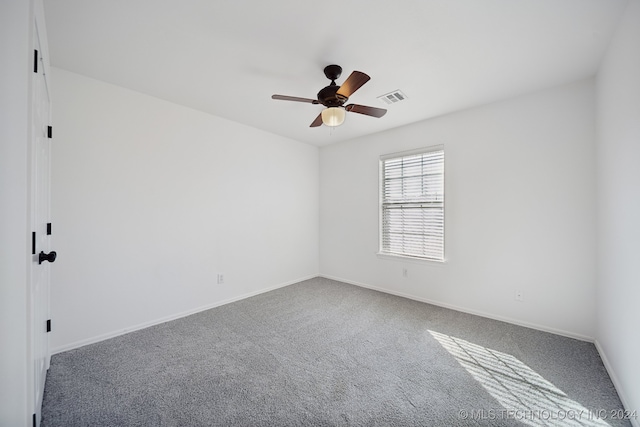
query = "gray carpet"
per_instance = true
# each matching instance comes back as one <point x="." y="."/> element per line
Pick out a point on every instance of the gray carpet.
<point x="325" y="353"/>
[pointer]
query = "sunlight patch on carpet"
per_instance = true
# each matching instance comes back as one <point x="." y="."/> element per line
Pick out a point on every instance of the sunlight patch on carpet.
<point x="526" y="396"/>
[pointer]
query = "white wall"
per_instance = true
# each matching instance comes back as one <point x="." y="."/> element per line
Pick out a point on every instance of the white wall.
<point x="151" y="200"/>
<point x="618" y="183"/>
<point x="519" y="211"/>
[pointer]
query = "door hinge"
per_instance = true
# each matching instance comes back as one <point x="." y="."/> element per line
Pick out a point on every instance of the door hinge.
<point x="49" y="132"/>
<point x="35" y="60"/>
<point x="49" y="325"/>
<point x="33" y="243"/>
<point x="48" y="229"/>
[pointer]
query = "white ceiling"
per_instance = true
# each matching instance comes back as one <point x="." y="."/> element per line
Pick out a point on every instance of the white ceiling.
<point x="228" y="57"/>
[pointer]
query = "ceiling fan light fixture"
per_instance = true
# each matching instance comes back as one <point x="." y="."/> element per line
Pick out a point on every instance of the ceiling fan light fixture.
<point x="333" y="116"/>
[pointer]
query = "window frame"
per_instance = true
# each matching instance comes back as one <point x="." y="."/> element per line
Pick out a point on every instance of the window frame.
<point x="381" y="182"/>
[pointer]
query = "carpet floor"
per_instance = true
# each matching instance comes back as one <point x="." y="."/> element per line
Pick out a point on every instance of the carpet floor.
<point x="325" y="353"/>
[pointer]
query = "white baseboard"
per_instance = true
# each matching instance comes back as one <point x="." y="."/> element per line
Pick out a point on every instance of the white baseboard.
<point x="92" y="340"/>
<point x="466" y="310"/>
<point x="616" y="383"/>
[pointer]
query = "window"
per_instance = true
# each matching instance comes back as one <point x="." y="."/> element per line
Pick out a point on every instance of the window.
<point x="412" y="204"/>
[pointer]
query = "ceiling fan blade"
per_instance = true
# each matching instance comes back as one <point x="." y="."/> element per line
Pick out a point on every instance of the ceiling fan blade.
<point x="367" y="111"/>
<point x="295" y="98"/>
<point x="353" y="83"/>
<point x="317" y="122"/>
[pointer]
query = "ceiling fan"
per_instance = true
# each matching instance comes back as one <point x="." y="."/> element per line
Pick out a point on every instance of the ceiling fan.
<point x="333" y="97"/>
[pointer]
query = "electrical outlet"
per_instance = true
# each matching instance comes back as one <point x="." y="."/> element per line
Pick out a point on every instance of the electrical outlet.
<point x="519" y="295"/>
<point x="405" y="272"/>
<point x="220" y="279"/>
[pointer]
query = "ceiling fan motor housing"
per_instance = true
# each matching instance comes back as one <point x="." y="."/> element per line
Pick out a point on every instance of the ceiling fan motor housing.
<point x="329" y="98"/>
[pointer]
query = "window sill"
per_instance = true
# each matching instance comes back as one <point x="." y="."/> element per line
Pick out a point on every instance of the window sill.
<point x="404" y="258"/>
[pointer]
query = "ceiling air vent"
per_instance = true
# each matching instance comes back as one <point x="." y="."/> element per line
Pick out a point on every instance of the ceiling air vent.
<point x="393" y="97"/>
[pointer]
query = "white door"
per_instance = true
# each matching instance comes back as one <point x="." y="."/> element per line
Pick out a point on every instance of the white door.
<point x="40" y="223"/>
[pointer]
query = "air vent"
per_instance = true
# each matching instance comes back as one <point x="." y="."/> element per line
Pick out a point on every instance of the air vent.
<point x="393" y="97"/>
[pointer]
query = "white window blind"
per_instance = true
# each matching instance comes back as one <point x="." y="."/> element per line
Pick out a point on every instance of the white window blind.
<point x="412" y="204"/>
